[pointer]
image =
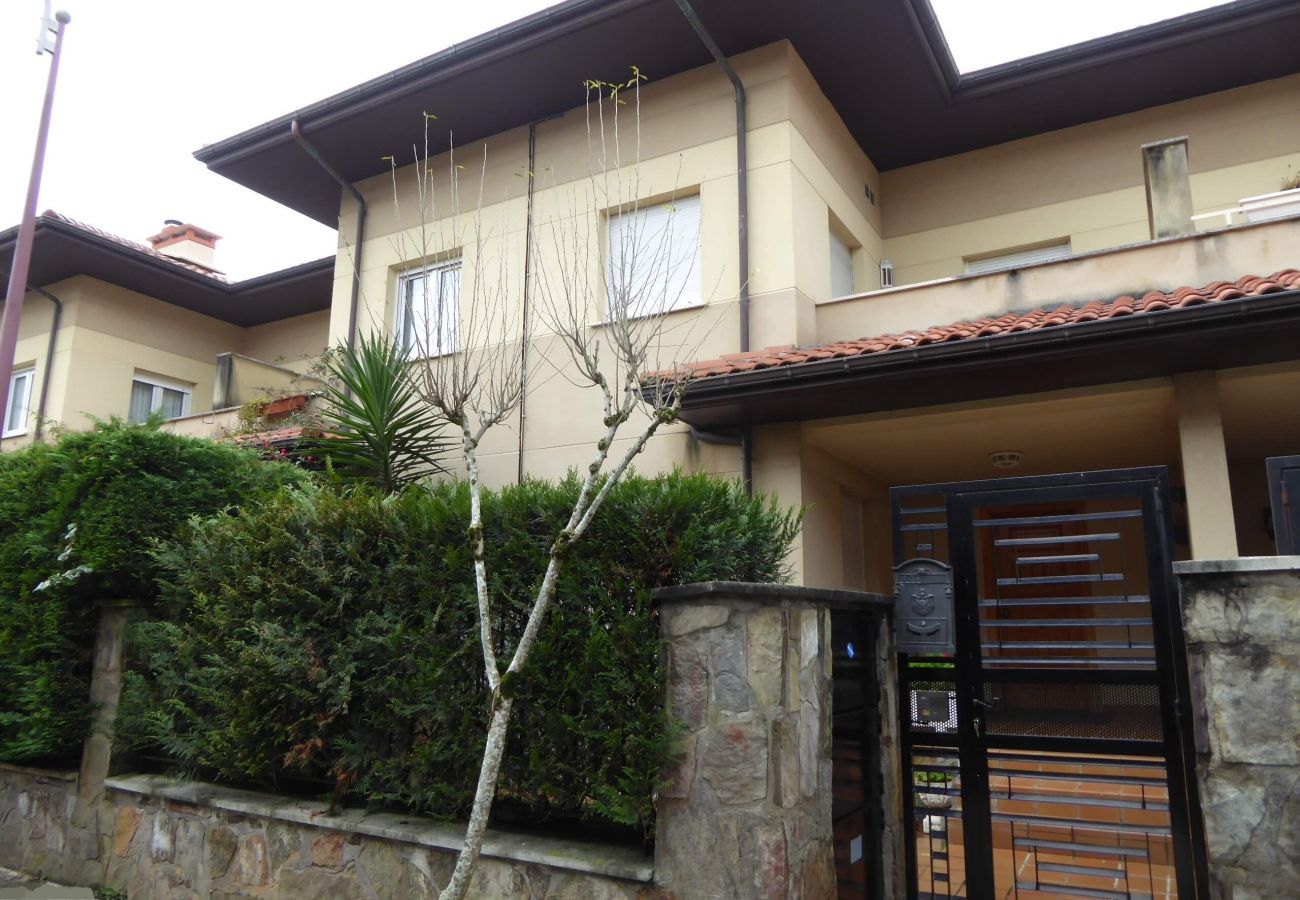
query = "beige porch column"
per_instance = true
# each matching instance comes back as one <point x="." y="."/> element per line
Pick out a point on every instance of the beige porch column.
<point x="1205" y="466"/>
<point x="778" y="470"/>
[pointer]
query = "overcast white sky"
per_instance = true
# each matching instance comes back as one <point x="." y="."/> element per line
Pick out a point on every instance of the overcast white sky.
<point x="983" y="33"/>
<point x="144" y="83"/>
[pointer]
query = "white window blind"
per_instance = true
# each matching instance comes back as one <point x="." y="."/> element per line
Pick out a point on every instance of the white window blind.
<point x="149" y="395"/>
<point x="653" y="259"/>
<point x="20" y="401"/>
<point x="428" y="310"/>
<point x="1018" y="258"/>
<point x="841" y="267"/>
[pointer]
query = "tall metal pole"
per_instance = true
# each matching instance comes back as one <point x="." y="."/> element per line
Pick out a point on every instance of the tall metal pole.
<point x="26" y="230"/>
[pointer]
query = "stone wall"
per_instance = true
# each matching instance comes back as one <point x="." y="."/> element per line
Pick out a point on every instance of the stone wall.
<point x="1242" y="621"/>
<point x="160" y="839"/>
<point x="747" y="811"/>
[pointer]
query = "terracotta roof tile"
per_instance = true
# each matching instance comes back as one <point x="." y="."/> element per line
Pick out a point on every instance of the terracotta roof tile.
<point x="1009" y="323"/>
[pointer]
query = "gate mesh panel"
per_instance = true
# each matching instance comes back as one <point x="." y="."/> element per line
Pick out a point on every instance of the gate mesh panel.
<point x="1117" y="711"/>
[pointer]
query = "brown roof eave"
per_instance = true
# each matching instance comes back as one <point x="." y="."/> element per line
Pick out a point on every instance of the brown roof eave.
<point x="539" y="63"/>
<point x="181" y="286"/>
<point x="48" y="225"/>
<point x="745" y="397"/>
<point x="414" y="76"/>
<point x="281" y="277"/>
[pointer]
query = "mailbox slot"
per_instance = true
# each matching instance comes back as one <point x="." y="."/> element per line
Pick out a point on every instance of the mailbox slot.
<point x="923" y="607"/>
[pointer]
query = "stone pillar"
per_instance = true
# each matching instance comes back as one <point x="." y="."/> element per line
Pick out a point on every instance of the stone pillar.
<point x="105" y="692"/>
<point x="1205" y="466"/>
<point x="1242" y="621"/>
<point x="747" y="811"/>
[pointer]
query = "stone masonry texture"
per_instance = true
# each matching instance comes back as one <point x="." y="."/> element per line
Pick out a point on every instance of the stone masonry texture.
<point x="1243" y="639"/>
<point x="746" y="812"/>
<point x="156" y="848"/>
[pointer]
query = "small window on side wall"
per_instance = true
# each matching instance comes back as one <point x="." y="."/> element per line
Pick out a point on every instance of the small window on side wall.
<point x="428" y="310"/>
<point x="652" y="259"/>
<point x="1018" y="258"/>
<point x="19" y="404"/>
<point x="150" y="394"/>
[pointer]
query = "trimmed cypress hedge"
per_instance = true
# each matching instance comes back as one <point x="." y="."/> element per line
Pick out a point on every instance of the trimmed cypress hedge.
<point x="77" y="520"/>
<point x="333" y="637"/>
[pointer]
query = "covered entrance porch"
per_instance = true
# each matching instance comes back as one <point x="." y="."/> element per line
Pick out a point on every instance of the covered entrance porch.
<point x="1210" y="434"/>
<point x="1213" y="430"/>
<point x="1199" y="387"/>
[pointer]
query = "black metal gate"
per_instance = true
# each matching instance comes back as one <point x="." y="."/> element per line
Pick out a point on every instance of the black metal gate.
<point x="1050" y="756"/>
<point x="856" y="812"/>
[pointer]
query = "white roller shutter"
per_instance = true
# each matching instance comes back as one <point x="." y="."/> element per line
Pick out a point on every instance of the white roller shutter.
<point x="1018" y="258"/>
<point x="653" y="257"/>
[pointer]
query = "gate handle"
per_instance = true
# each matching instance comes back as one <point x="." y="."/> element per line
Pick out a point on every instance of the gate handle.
<point x="977" y="723"/>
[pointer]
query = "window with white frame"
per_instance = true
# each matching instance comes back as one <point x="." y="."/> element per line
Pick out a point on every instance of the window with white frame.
<point x="653" y="258"/>
<point x="19" y="403"/>
<point x="150" y="394"/>
<point x="428" y="310"/>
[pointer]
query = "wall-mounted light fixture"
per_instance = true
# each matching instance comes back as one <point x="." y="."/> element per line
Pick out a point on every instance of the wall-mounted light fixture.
<point x="1005" y="459"/>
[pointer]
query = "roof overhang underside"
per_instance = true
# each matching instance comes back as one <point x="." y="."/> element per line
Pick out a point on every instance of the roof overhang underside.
<point x="62" y="251"/>
<point x="1252" y="331"/>
<point x="882" y="63"/>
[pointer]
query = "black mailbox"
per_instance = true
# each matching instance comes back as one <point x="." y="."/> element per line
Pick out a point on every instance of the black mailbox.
<point x="923" y="607"/>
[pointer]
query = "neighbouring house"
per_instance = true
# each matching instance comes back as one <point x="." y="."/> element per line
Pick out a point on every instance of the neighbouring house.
<point x="1031" y="333"/>
<point x="112" y="327"/>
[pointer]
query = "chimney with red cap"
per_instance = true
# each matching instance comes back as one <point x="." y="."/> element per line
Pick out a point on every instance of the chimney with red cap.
<point x="188" y="242"/>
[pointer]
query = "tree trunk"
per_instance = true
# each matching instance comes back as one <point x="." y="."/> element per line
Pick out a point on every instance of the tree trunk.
<point x="493" y="750"/>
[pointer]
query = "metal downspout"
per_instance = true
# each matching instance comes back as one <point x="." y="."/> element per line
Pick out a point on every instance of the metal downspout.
<point x="49" y="357"/>
<point x="742" y="214"/>
<point x="296" y="131"/>
<point x="528" y="280"/>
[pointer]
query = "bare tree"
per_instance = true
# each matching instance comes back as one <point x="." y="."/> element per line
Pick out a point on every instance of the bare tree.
<point x="614" y="332"/>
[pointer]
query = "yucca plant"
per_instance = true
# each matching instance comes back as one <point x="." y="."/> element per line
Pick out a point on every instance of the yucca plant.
<point x="378" y="431"/>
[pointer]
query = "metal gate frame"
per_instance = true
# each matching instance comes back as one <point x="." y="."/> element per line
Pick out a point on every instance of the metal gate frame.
<point x="1151" y="486"/>
<point x="858" y="629"/>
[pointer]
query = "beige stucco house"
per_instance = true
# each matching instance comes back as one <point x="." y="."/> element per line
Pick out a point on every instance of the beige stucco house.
<point x="113" y="327"/>
<point x="1080" y="266"/>
<point x="1044" y="204"/>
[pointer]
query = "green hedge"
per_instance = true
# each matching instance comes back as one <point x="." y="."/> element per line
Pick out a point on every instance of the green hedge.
<point x="77" y="519"/>
<point x="333" y="637"/>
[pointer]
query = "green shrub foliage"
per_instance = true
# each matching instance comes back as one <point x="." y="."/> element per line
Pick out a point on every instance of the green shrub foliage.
<point x="77" y="521"/>
<point x="380" y="432"/>
<point x="333" y="637"/>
